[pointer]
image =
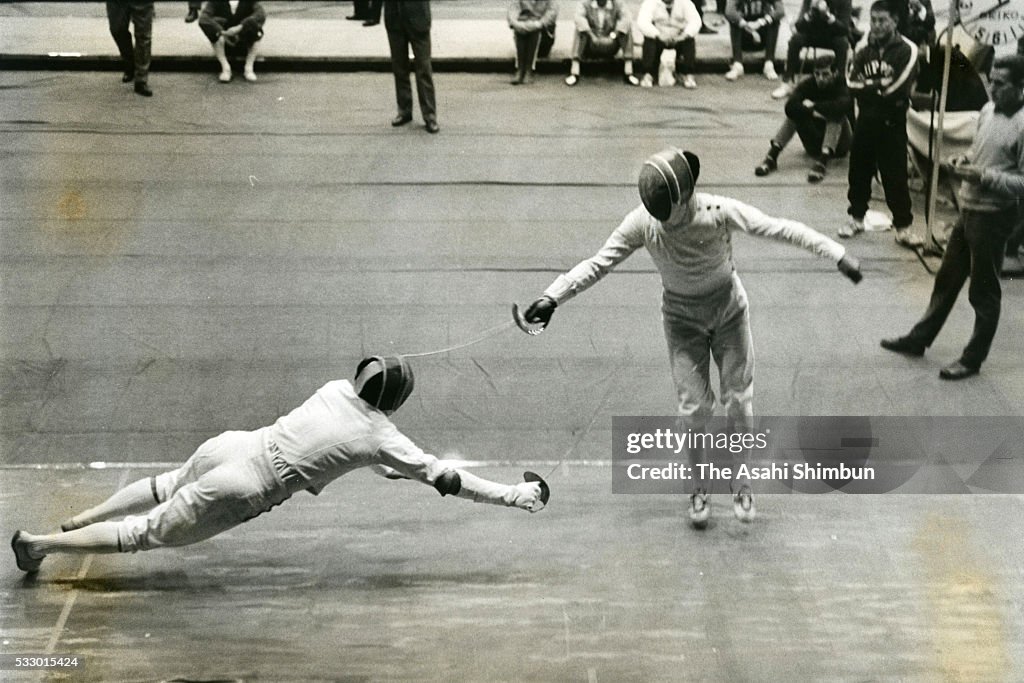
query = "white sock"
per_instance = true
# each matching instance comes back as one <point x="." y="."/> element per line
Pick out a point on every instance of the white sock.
<point x="95" y="538"/>
<point x="138" y="496"/>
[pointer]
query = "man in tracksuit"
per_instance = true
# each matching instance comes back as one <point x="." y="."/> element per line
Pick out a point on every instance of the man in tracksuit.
<point x="881" y="78"/>
<point x="704" y="306"/>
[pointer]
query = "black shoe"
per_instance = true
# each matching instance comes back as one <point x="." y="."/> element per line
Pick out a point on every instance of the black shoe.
<point x="128" y="77"/>
<point x="708" y="31"/>
<point x="817" y="172"/>
<point x="957" y="370"/>
<point x="356" y="17"/>
<point x="401" y="120"/>
<point x="143" y="89"/>
<point x="903" y="345"/>
<point x="25" y="562"/>
<point x="432" y="127"/>
<point x="766" y="167"/>
<point x="370" y="22"/>
<point x="192" y="15"/>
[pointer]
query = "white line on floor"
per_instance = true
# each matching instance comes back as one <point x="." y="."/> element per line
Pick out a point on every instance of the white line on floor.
<point x="69" y="603"/>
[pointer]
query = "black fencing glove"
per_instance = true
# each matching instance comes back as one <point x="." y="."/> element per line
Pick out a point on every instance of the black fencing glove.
<point x="541" y="310"/>
<point x="850" y="267"/>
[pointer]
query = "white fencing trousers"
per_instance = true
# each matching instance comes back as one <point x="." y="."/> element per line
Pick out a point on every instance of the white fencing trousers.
<point x="228" y="480"/>
<point x="697" y="330"/>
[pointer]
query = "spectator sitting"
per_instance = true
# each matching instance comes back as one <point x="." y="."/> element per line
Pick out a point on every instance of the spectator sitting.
<point x="233" y="32"/>
<point x="530" y="21"/>
<point x="819" y="111"/>
<point x="603" y="28"/>
<point x="672" y="24"/>
<point x="753" y="25"/>
<point x="824" y="24"/>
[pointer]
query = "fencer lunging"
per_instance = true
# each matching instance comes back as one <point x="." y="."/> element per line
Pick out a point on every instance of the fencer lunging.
<point x="238" y="475"/>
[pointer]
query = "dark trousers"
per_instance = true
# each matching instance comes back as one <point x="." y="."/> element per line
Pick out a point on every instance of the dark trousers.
<point x="880" y="145"/>
<point x="368" y="10"/>
<point x="813" y="130"/>
<point x="840" y="45"/>
<point x="742" y="40"/>
<point x="975" y="250"/>
<point x="1017" y="236"/>
<point x="686" y="55"/>
<point x="136" y="58"/>
<point x="399" y="42"/>
<point x="527" y="47"/>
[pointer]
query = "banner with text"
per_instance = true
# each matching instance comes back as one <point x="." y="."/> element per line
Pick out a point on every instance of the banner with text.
<point x="858" y="454"/>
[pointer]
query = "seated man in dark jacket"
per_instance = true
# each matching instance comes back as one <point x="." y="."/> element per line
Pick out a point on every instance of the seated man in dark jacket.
<point x="824" y="24"/>
<point x="233" y="32"/>
<point x="819" y="111"/>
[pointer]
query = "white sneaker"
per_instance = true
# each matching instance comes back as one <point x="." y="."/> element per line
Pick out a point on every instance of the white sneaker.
<point x="647" y="81"/>
<point x="769" y="71"/>
<point x="852" y="227"/>
<point x="906" y="238"/>
<point x="782" y="92"/>
<point x="225" y="76"/>
<point x="689" y="82"/>
<point x="250" y="75"/>
<point x="734" y="72"/>
<point x="743" y="504"/>
<point x="700" y="509"/>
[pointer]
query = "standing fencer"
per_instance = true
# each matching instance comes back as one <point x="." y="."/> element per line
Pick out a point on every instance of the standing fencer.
<point x="238" y="475"/>
<point x="704" y="305"/>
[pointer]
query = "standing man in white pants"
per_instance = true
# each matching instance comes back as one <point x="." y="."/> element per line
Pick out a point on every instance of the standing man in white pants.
<point x="704" y="305"/>
<point x="236" y="476"/>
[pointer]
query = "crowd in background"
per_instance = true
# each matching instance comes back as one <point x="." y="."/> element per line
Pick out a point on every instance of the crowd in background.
<point x="853" y="104"/>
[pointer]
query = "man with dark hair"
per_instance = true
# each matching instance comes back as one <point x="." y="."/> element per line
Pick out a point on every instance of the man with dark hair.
<point x="819" y="111"/>
<point x="990" y="198"/>
<point x="237" y="476"/>
<point x="134" y="57"/>
<point x="408" y="24"/>
<point x="881" y="78"/>
<point x="704" y="306"/>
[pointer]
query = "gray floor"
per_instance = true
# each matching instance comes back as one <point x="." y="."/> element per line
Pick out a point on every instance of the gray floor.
<point x="203" y="261"/>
